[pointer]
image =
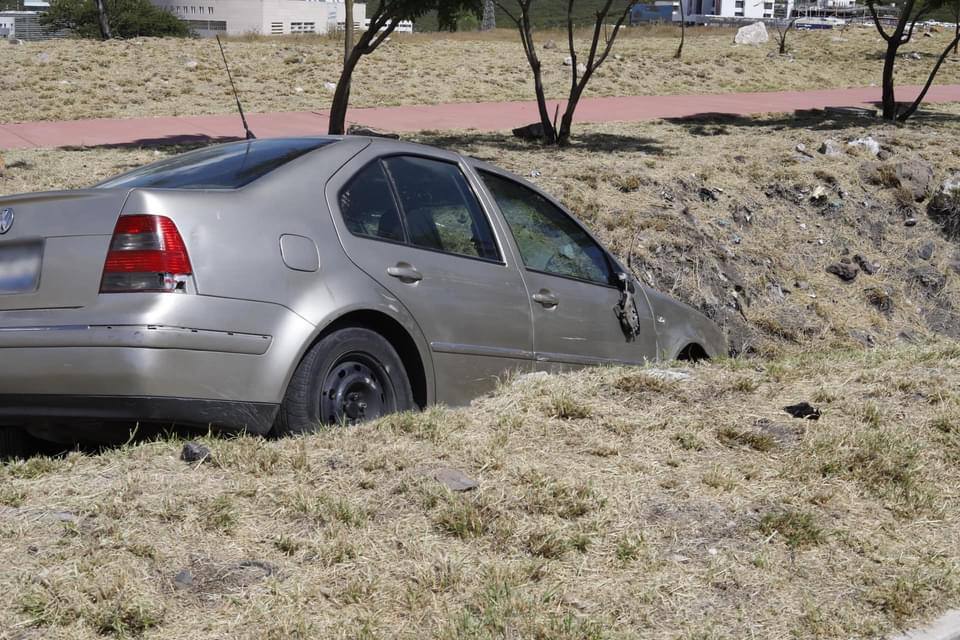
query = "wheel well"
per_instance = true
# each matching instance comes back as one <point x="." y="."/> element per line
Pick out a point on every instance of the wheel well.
<point x="399" y="339"/>
<point x="693" y="352"/>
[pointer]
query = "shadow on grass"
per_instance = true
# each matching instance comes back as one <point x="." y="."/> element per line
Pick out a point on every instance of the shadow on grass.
<point x="92" y="438"/>
<point x="177" y="143"/>
<point x="471" y="142"/>
<point x="714" y="124"/>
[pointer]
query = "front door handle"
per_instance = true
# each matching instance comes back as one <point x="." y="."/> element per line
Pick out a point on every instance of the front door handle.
<point x="405" y="272"/>
<point x="546" y="298"/>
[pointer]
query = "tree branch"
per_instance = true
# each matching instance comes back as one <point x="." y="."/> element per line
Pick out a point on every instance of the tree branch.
<point x="383" y="35"/>
<point x="922" y="12"/>
<point x="573" y="51"/>
<point x="876" y="21"/>
<point x="507" y="11"/>
<point x="933" y="73"/>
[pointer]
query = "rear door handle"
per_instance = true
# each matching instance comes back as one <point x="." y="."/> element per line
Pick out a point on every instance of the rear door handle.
<point x="405" y="272"/>
<point x="546" y="298"/>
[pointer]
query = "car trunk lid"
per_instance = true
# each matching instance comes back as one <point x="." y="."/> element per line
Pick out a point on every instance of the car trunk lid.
<point x="53" y="246"/>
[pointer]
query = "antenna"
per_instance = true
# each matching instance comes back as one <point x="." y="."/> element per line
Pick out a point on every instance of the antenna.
<point x="236" y="96"/>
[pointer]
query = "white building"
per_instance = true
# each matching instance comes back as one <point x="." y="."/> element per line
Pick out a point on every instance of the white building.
<point x="262" y="17"/>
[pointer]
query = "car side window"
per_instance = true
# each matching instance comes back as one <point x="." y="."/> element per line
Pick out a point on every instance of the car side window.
<point x="548" y="239"/>
<point x="439" y="209"/>
<point x="368" y="206"/>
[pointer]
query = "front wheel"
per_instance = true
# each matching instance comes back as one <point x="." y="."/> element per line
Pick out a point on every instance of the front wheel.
<point x="350" y="376"/>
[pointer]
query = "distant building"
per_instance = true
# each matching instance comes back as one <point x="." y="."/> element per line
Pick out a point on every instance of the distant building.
<point x="25" y="25"/>
<point x="262" y="17"/>
<point x="657" y="12"/>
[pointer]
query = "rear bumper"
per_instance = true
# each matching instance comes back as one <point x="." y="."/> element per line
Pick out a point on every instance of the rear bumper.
<point x="40" y="410"/>
<point x="152" y="358"/>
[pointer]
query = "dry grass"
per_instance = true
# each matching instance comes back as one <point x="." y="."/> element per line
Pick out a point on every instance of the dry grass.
<point x="846" y="529"/>
<point x="149" y="77"/>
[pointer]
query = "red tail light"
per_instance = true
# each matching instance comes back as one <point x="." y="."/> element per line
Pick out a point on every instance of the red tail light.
<point x="146" y="254"/>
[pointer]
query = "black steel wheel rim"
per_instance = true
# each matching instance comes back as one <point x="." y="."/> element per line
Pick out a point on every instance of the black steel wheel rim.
<point x="354" y="390"/>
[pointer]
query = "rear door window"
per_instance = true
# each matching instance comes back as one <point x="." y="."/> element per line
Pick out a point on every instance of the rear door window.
<point x="224" y="166"/>
<point x="368" y="206"/>
<point x="439" y="209"/>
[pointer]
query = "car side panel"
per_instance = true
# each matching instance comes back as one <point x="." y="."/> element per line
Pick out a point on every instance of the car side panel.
<point x="234" y="239"/>
<point x="679" y="325"/>
<point x="474" y="314"/>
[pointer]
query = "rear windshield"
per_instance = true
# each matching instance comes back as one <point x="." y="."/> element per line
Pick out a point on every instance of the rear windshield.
<point x="224" y="166"/>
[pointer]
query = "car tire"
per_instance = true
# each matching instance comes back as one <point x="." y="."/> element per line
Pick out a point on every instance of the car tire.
<point x="350" y="376"/>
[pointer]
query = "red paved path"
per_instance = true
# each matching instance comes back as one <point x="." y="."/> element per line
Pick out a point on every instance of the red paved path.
<point x="484" y="116"/>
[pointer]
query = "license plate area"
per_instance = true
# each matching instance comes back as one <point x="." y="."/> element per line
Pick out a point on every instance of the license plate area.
<point x="20" y="266"/>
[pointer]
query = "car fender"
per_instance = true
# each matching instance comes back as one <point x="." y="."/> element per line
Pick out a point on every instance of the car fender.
<point x="679" y="325"/>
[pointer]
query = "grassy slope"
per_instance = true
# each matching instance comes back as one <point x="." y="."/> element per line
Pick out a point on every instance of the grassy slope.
<point x="84" y="79"/>
<point x="611" y="504"/>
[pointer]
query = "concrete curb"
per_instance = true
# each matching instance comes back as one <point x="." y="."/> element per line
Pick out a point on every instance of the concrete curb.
<point x="946" y="627"/>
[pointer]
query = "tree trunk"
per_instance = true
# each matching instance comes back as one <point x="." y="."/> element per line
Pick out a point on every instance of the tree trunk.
<point x="683" y="30"/>
<point x="889" y="99"/>
<point x="549" y="132"/>
<point x="102" y="19"/>
<point x="489" y="16"/>
<point x="956" y="46"/>
<point x="566" y="123"/>
<point x="347" y="30"/>
<point x="341" y="97"/>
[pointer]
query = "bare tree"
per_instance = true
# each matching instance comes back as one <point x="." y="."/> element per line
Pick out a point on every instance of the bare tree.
<point x="782" y="23"/>
<point x="384" y="20"/>
<point x="683" y="29"/>
<point x="910" y="13"/>
<point x="520" y="15"/>
<point x="102" y="19"/>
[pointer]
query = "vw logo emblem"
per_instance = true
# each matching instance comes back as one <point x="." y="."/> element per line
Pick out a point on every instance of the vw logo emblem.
<point x="6" y="220"/>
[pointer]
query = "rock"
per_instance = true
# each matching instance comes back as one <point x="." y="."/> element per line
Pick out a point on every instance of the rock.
<point x="43" y="57"/>
<point x="803" y="410"/>
<point x="831" y="148"/>
<point x="360" y="130"/>
<point x="927" y="34"/>
<point x="336" y="462"/>
<point x="925" y="252"/>
<point x="549" y="44"/>
<point x="868" y="143"/>
<point x="914" y="55"/>
<point x="707" y="194"/>
<point x="14" y="41"/>
<point x="867" y="266"/>
<point x="755" y="34"/>
<point x="568" y="61"/>
<point x="191" y="64"/>
<point x="581" y="68"/>
<point x="668" y="375"/>
<point x="193" y="452"/>
<point x="910" y="222"/>
<point x="802" y="150"/>
<point x="330" y="86"/>
<point x="880" y="298"/>
<point x="944" y="207"/>
<point x="298" y="89"/>
<point x="455" y="480"/>
<point x="846" y="272"/>
<point x="183" y="579"/>
<point x="819" y="193"/>
<point x="929" y="278"/>
<point x="533" y="131"/>
<point x="916" y="176"/>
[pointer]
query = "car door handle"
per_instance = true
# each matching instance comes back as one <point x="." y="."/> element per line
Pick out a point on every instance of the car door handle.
<point x="546" y="297"/>
<point x="404" y="272"/>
